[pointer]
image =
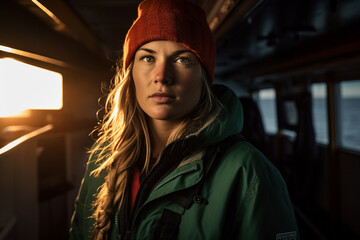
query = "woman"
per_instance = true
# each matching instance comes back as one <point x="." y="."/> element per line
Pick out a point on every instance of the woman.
<point x="167" y="164"/>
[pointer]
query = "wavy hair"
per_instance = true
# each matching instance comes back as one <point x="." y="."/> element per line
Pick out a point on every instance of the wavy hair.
<point x="124" y="134"/>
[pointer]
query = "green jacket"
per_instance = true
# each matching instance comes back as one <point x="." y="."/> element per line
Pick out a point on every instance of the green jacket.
<point x="242" y="196"/>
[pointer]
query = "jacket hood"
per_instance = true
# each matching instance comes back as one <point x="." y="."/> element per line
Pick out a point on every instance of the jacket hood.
<point x="229" y="121"/>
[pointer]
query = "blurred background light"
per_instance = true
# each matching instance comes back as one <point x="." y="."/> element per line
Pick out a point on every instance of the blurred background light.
<point x="25" y="87"/>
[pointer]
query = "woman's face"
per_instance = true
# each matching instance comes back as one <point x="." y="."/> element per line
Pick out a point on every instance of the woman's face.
<point x="168" y="80"/>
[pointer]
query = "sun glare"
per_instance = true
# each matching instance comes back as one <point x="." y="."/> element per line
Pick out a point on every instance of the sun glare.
<point x="24" y="87"/>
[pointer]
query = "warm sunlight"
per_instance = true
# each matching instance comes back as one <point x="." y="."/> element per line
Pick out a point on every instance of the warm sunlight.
<point x="59" y="25"/>
<point x="24" y="87"/>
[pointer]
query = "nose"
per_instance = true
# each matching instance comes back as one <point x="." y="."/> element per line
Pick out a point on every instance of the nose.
<point x="163" y="73"/>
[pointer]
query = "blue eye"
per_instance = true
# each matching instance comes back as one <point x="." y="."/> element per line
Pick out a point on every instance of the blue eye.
<point x="148" y="59"/>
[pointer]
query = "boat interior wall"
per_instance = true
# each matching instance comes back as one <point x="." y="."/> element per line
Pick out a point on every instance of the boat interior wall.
<point x="23" y="30"/>
<point x="349" y="166"/>
<point x="32" y="41"/>
<point x="283" y="38"/>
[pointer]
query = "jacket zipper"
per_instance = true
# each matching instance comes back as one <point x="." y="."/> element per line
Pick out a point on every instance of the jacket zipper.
<point x="141" y="195"/>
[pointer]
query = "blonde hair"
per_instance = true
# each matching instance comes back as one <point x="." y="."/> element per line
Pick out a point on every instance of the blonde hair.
<point x="124" y="134"/>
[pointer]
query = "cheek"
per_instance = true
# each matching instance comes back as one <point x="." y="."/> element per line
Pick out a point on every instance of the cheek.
<point x="193" y="93"/>
<point x="195" y="84"/>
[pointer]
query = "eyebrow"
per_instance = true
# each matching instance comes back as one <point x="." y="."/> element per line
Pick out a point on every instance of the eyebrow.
<point x="173" y="54"/>
<point x="147" y="50"/>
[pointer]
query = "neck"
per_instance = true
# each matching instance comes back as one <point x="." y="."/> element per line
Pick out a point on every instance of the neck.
<point x="160" y="131"/>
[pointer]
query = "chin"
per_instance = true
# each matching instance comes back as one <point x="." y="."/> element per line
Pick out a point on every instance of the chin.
<point x="161" y="114"/>
<point x="164" y="116"/>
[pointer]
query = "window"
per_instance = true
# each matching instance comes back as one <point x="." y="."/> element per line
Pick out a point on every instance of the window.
<point x="291" y="113"/>
<point x="267" y="106"/>
<point x="349" y="108"/>
<point x="24" y="87"/>
<point x="319" y="111"/>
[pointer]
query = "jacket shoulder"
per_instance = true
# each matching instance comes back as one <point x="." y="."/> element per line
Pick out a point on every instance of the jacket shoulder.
<point x="259" y="192"/>
<point x="250" y="172"/>
<point x="242" y="154"/>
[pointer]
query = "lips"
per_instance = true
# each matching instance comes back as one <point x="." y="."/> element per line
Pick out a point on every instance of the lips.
<point x="162" y="97"/>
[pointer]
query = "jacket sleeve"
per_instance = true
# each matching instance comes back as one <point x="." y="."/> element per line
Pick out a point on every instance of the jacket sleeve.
<point x="265" y="210"/>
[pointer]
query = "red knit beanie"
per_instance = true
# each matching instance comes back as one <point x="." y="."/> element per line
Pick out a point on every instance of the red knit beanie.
<point x="173" y="20"/>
